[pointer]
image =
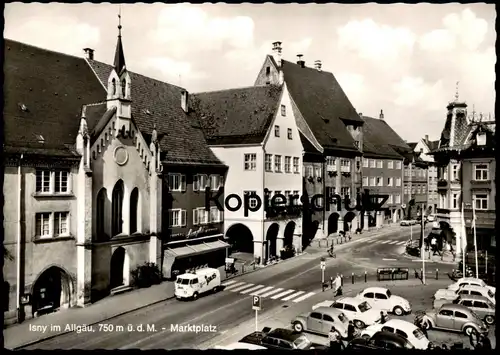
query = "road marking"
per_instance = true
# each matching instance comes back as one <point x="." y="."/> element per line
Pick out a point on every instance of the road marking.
<point x="420" y="260"/>
<point x="271" y="292"/>
<point x="394" y="242"/>
<point x="241" y="288"/>
<point x="389" y="259"/>
<point x="385" y="241"/>
<point x="235" y="285"/>
<point x="379" y="241"/>
<point x="288" y="298"/>
<point x="282" y="294"/>
<point x="252" y="289"/>
<point x="362" y="258"/>
<point x="301" y="298"/>
<point x="402" y="242"/>
<point x="227" y="283"/>
<point x="263" y="290"/>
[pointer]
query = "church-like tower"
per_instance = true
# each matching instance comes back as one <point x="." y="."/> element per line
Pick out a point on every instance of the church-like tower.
<point x="119" y="93"/>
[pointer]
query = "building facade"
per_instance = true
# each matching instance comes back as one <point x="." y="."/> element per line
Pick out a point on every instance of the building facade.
<point x="104" y="185"/>
<point x="329" y="122"/>
<point x="415" y="187"/>
<point x="253" y="130"/>
<point x="382" y="170"/>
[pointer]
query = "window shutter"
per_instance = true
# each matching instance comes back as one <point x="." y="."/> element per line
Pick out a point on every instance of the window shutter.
<point x="183" y="183"/>
<point x="183" y="217"/>
<point x="196" y="183"/>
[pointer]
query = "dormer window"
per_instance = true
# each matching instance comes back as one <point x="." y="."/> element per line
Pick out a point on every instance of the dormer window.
<point x="23" y="107"/>
<point x="481" y="138"/>
<point x="40" y="138"/>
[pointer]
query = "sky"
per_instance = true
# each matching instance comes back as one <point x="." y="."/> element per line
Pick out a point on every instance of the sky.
<point x="403" y="59"/>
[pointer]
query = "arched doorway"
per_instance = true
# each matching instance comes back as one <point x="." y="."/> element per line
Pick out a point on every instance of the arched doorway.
<point x="333" y="221"/>
<point x="134" y="210"/>
<point x="288" y="235"/>
<point x="101" y="214"/>
<point x="348" y="218"/>
<point x="119" y="270"/>
<point x="271" y="238"/>
<point x="240" y="238"/>
<point x="51" y="291"/>
<point x="117" y="208"/>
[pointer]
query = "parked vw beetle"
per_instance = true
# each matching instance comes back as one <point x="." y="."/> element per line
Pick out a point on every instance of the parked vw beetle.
<point x="455" y="318"/>
<point x="479" y="305"/>
<point x="321" y="320"/>
<point x="382" y="298"/>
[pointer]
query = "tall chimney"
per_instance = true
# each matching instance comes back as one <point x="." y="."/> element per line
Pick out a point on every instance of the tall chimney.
<point x="277" y="53"/>
<point x="185" y="101"/>
<point x="317" y="65"/>
<point x="426" y="137"/>
<point x="89" y="53"/>
<point x="381" y="116"/>
<point x="300" y="61"/>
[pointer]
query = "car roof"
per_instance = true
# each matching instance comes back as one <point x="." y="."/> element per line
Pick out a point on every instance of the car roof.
<point x="473" y="297"/>
<point x="455" y="307"/>
<point x="473" y="287"/>
<point x="469" y="279"/>
<point x="350" y="300"/>
<point x="328" y="310"/>
<point x="394" y="337"/>
<point x="398" y="323"/>
<point x="375" y="289"/>
<point x="285" y="334"/>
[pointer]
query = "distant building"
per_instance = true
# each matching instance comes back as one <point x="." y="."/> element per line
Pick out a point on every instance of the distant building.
<point x="253" y="130"/>
<point x="383" y="169"/>
<point x="423" y="147"/>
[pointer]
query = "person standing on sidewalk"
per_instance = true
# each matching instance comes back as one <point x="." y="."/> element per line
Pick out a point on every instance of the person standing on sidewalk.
<point x="434" y="245"/>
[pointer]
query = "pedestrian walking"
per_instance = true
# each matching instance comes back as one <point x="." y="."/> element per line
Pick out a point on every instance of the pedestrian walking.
<point x="474" y="339"/>
<point x="335" y="339"/>
<point x="485" y="342"/>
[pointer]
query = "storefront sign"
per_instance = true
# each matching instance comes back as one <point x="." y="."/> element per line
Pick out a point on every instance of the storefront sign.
<point x="200" y="232"/>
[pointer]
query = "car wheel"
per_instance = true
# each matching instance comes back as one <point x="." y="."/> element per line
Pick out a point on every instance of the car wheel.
<point x="365" y="336"/>
<point x="468" y="330"/>
<point x="298" y="327"/>
<point x="359" y="324"/>
<point x="195" y="296"/>
<point x="398" y="311"/>
<point x="490" y="320"/>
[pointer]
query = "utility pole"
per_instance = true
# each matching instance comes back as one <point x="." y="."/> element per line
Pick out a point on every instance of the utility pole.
<point x="423" y="248"/>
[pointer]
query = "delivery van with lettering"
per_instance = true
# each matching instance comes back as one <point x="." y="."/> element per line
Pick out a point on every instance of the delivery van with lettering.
<point x="192" y="285"/>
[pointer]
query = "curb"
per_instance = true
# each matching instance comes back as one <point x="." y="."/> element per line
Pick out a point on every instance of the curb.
<point x="426" y="260"/>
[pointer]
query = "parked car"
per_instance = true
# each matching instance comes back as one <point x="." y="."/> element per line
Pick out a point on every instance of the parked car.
<point x="472" y="281"/>
<point x="452" y="295"/>
<point x="479" y="305"/>
<point x="431" y="218"/>
<point x="382" y="341"/>
<point x="400" y="327"/>
<point x="357" y="310"/>
<point x="281" y="339"/>
<point x="321" y="320"/>
<point x="405" y="222"/>
<point x="382" y="298"/>
<point x="453" y="317"/>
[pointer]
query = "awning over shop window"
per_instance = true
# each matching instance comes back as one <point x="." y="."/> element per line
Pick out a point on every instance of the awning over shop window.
<point x="171" y="254"/>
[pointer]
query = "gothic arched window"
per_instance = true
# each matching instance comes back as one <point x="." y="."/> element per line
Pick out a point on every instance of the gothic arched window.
<point x="113" y="86"/>
<point x="117" y="208"/>
<point x="124" y="88"/>
<point x="134" y="210"/>
<point x="101" y="214"/>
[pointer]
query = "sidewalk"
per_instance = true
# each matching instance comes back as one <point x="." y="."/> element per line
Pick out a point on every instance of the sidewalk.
<point x="446" y="257"/>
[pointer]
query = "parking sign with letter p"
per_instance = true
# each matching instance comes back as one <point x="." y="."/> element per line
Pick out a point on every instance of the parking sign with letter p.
<point x="256" y="303"/>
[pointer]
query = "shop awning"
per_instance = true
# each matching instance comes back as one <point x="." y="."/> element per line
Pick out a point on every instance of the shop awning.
<point x="171" y="254"/>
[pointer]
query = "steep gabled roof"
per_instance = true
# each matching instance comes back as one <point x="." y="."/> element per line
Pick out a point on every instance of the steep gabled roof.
<point x="432" y="145"/>
<point x="155" y="102"/>
<point x="322" y="103"/>
<point x="237" y="116"/>
<point x="44" y="92"/>
<point x="412" y="145"/>
<point x="308" y="146"/>
<point x="380" y="140"/>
